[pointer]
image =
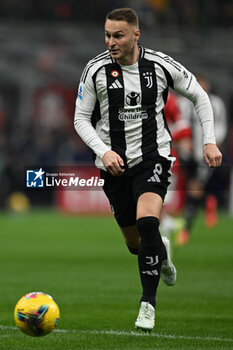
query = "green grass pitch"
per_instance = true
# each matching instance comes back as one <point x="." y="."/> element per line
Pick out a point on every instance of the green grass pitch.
<point x="83" y="263"/>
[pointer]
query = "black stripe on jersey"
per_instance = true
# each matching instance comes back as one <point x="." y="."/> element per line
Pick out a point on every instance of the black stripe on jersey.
<point x="165" y="95"/>
<point x="96" y="114"/>
<point x="92" y="63"/>
<point x="165" y="123"/>
<point x="116" y="101"/>
<point x="148" y="101"/>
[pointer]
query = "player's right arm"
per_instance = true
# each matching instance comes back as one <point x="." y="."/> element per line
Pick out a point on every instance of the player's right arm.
<point x="85" y="105"/>
<point x="113" y="163"/>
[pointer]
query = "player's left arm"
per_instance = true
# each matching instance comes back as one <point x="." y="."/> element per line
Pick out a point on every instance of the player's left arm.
<point x="204" y="112"/>
<point x="186" y="84"/>
<point x="203" y="108"/>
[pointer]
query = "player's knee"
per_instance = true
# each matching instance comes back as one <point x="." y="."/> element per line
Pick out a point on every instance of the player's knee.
<point x="148" y="228"/>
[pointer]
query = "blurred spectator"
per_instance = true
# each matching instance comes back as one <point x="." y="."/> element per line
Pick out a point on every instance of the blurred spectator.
<point x="46" y="139"/>
<point x="181" y="12"/>
<point x="160" y="8"/>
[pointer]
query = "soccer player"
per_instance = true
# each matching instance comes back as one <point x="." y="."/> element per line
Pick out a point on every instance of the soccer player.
<point x="119" y="115"/>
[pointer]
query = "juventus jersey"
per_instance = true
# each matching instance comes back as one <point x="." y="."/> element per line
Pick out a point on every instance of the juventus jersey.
<point x="120" y="107"/>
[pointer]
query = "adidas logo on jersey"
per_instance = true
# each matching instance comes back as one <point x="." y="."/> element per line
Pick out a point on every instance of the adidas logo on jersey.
<point x="116" y="85"/>
<point x="154" y="178"/>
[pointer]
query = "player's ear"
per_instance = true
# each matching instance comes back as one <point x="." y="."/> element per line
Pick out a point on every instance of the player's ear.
<point x="137" y="34"/>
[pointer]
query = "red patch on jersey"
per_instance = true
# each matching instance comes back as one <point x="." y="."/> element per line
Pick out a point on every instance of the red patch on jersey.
<point x="115" y="73"/>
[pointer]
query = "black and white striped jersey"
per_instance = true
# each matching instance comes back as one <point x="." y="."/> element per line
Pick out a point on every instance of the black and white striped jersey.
<point x="121" y="107"/>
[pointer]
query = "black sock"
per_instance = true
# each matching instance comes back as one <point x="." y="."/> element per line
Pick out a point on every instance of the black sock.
<point x="151" y="253"/>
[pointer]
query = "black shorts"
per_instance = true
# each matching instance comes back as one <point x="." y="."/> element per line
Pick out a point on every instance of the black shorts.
<point x="123" y="191"/>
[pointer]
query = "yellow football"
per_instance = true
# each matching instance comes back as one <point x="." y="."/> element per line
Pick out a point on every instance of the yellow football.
<point x="36" y="314"/>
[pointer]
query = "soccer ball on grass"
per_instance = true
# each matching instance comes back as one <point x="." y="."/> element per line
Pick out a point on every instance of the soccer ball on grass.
<point x="36" y="314"/>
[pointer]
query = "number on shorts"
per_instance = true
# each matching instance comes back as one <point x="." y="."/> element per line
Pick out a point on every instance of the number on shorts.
<point x="157" y="171"/>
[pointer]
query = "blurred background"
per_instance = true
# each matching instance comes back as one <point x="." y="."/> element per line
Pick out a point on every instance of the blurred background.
<point x="44" y="46"/>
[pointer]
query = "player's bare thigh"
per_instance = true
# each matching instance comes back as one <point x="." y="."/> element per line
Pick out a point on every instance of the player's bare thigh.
<point x="149" y="204"/>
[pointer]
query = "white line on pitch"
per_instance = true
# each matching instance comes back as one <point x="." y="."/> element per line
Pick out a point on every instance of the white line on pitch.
<point x="137" y="334"/>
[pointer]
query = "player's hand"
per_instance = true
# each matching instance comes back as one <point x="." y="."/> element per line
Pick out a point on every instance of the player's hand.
<point x="212" y="155"/>
<point x="113" y="163"/>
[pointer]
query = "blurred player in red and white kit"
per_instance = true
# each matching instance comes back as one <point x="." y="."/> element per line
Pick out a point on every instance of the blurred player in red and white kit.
<point x="182" y="144"/>
<point x="191" y="175"/>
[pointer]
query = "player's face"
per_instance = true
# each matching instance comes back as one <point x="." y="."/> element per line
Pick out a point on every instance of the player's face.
<point x="121" y="39"/>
